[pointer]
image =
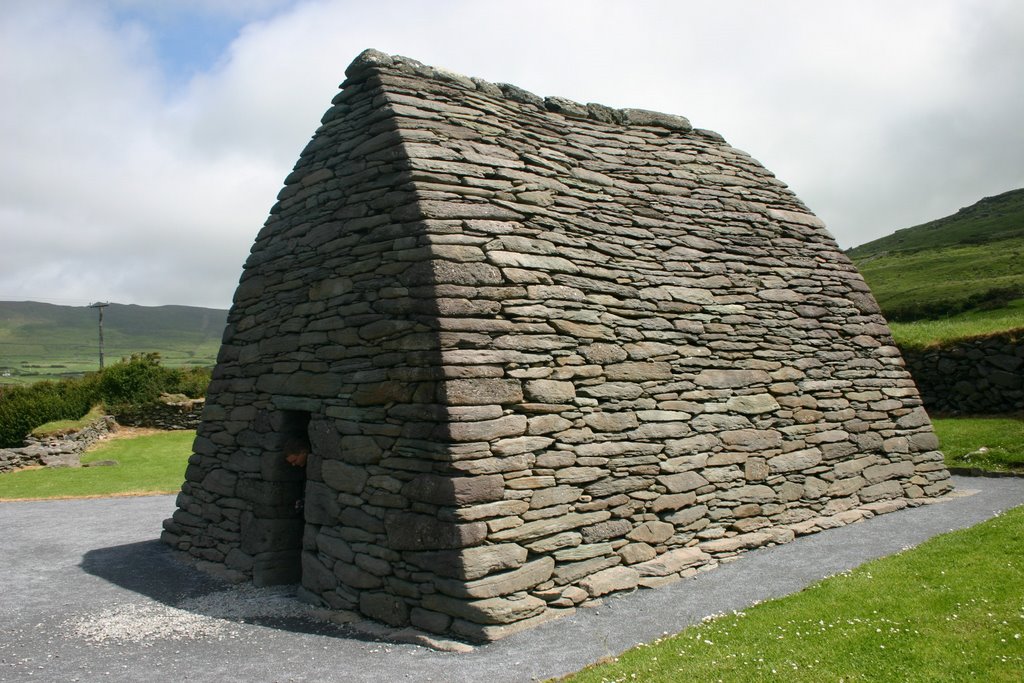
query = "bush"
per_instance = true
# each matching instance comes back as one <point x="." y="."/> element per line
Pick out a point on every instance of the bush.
<point x="190" y="381"/>
<point x="136" y="380"/>
<point x="22" y="409"/>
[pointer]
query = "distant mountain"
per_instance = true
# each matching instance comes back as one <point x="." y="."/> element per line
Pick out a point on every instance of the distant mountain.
<point x="973" y="259"/>
<point x="41" y="341"/>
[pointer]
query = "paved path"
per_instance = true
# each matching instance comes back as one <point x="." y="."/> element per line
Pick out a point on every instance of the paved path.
<point x="89" y="594"/>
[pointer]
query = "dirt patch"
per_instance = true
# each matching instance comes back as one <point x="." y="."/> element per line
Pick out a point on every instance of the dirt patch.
<point x="132" y="432"/>
<point x="121" y="432"/>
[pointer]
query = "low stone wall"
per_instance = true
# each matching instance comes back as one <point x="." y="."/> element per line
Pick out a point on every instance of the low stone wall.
<point x="983" y="375"/>
<point x="169" y="413"/>
<point x="62" y="450"/>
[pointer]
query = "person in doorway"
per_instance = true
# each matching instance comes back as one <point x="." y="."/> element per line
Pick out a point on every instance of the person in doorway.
<point x="296" y="452"/>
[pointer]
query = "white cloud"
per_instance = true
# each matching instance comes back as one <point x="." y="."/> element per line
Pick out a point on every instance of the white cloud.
<point x="119" y="181"/>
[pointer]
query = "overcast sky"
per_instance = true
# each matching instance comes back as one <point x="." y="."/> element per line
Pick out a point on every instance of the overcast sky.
<point x="142" y="142"/>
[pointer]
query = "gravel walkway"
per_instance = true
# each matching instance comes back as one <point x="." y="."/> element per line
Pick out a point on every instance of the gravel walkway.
<point x="89" y="594"/>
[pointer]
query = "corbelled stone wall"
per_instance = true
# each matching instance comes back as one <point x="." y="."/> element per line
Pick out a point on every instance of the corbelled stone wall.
<point x="542" y="352"/>
<point x="982" y="375"/>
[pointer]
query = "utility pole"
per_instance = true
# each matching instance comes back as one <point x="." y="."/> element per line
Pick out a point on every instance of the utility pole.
<point x="99" y="306"/>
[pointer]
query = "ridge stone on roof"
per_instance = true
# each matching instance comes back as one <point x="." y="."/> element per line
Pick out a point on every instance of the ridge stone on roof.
<point x="370" y="59"/>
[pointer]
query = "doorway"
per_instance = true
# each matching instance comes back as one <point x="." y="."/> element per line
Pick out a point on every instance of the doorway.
<point x="279" y="522"/>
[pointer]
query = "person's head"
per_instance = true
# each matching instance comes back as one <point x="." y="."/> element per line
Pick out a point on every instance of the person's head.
<point x="296" y="450"/>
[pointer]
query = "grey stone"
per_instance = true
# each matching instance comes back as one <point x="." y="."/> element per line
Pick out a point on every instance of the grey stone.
<point x="550" y="391"/>
<point x="682" y="482"/>
<point x="635" y="371"/>
<point x="672" y="562"/>
<point x="471" y="563"/>
<point x="482" y="391"/>
<point x="548" y="527"/>
<point x="499" y="610"/>
<point x="652" y="532"/>
<point x="441" y="490"/>
<point x="485" y="430"/>
<point x="523" y="578"/>
<point x="610" y="580"/>
<point x="728" y="379"/>
<point x="411" y="531"/>
<point x="797" y="460"/>
<point x="343" y="477"/>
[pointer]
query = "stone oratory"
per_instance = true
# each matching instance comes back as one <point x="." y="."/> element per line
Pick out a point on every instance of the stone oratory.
<point x="495" y="355"/>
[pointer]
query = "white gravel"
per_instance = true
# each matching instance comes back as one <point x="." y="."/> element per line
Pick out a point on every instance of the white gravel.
<point x="212" y="616"/>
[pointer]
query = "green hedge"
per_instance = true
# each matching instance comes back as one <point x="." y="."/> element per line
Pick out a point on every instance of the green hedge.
<point x="22" y="409"/>
<point x="139" y="379"/>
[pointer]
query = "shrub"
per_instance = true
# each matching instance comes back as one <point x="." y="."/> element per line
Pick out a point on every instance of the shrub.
<point x="22" y="409"/>
<point x="138" y="379"/>
<point x="190" y="381"/>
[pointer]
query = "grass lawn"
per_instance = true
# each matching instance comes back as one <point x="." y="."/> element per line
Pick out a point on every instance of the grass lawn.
<point x="924" y="333"/>
<point x="950" y="610"/>
<point x="906" y="281"/>
<point x="963" y="438"/>
<point x="145" y="465"/>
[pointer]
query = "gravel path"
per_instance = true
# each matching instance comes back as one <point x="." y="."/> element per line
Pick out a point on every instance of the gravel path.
<point x="89" y="594"/>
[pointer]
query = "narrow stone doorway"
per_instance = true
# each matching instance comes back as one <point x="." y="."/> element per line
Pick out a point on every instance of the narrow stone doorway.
<point x="279" y="523"/>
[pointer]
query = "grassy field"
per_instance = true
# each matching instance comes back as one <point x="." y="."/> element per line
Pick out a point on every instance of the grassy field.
<point x="972" y="260"/>
<point x="948" y="276"/>
<point x="951" y="609"/>
<point x="924" y="333"/>
<point x="42" y="341"/>
<point x="995" y="444"/>
<point x="148" y="464"/>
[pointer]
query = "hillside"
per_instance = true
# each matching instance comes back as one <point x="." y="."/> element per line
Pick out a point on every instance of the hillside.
<point x="44" y="341"/>
<point x="990" y="220"/>
<point x="972" y="260"/>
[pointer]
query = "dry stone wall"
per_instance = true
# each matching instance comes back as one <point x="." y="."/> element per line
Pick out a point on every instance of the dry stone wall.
<point x="170" y="411"/>
<point x="58" y="450"/>
<point x="983" y="375"/>
<point x="543" y="352"/>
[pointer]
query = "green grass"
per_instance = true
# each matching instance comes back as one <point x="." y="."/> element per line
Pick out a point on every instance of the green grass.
<point x="943" y="277"/>
<point x="950" y="610"/>
<point x="969" y="261"/>
<point x="1002" y="439"/>
<point x="145" y="465"/>
<point x="924" y="333"/>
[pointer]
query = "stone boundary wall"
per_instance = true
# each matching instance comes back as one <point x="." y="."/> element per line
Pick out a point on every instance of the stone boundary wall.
<point x="976" y="376"/>
<point x="171" y="415"/>
<point x="543" y="352"/>
<point x="55" y="451"/>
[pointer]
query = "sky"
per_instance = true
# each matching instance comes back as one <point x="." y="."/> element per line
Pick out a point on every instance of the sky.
<point x="142" y="142"/>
